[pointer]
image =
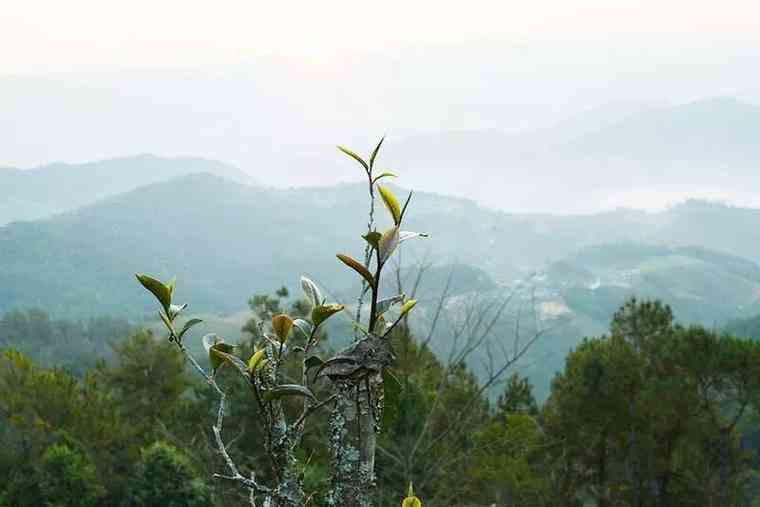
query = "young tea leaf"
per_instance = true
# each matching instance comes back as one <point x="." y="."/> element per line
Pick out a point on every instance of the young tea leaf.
<point x="255" y="361"/>
<point x="355" y="157"/>
<point x="157" y="288"/>
<point x="373" y="238"/>
<point x="407" y="307"/>
<point x="358" y="267"/>
<point x="311" y="291"/>
<point x="323" y="312"/>
<point x="391" y="203"/>
<point x="213" y="345"/>
<point x="282" y="324"/>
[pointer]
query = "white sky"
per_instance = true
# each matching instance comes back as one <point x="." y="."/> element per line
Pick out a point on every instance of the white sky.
<point x="55" y="35"/>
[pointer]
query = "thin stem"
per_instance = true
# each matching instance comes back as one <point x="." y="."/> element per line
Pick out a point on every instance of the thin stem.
<point x="375" y="294"/>
<point x="367" y="249"/>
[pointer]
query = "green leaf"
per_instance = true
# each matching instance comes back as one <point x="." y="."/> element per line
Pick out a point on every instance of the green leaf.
<point x="289" y="390"/>
<point x="157" y="288"/>
<point x="386" y="174"/>
<point x="406" y="204"/>
<point x="375" y="152"/>
<point x="355" y="157"/>
<point x="312" y="362"/>
<point x="384" y="304"/>
<point x="391" y="203"/>
<point x="323" y="312"/>
<point x="228" y="358"/>
<point x="407" y="307"/>
<point x="189" y="324"/>
<point x="311" y="291"/>
<point x="358" y="267"/>
<point x="214" y="345"/>
<point x="387" y="244"/>
<point x="282" y="324"/>
<point x="373" y="238"/>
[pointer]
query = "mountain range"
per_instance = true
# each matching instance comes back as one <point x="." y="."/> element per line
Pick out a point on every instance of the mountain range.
<point x="225" y="240"/>
<point x="650" y="154"/>
<point x="39" y="192"/>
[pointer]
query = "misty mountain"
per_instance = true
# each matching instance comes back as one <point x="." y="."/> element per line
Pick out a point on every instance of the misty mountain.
<point x="225" y="241"/>
<point x="35" y="193"/>
<point x="644" y="153"/>
<point x="702" y="286"/>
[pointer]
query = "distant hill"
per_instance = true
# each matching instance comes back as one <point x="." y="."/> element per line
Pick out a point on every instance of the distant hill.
<point x="656" y="152"/>
<point x="701" y="285"/>
<point x="226" y="241"/>
<point x="31" y="194"/>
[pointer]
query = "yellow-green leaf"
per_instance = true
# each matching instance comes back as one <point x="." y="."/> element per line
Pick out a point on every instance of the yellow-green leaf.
<point x="391" y="203"/>
<point x="411" y="500"/>
<point x="358" y="267"/>
<point x="355" y="157"/>
<point x="282" y="324"/>
<point x="255" y="360"/>
<point x="323" y="312"/>
<point x="407" y="307"/>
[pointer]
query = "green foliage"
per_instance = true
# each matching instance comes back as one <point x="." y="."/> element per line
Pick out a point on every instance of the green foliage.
<point x="654" y="407"/>
<point x="73" y="346"/>
<point x="67" y="478"/>
<point x="164" y="477"/>
<point x="148" y="382"/>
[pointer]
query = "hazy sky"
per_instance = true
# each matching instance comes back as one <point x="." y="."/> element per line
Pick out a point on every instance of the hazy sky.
<point x="272" y="86"/>
<point x="46" y="35"/>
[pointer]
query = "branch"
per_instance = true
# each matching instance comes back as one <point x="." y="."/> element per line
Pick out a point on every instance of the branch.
<point x="217" y="429"/>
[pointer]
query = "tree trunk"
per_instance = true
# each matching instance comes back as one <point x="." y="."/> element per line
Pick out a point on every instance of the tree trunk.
<point x="289" y="491"/>
<point x="352" y="446"/>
